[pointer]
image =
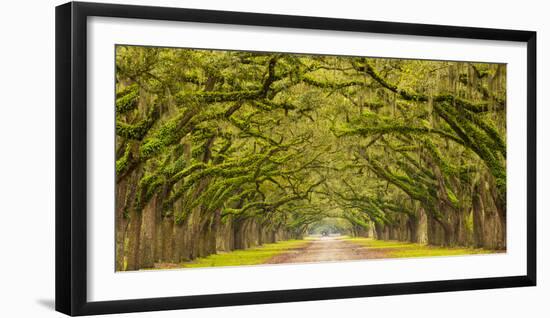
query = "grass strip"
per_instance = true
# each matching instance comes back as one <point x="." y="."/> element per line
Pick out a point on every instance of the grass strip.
<point x="253" y="256"/>
<point x="397" y="249"/>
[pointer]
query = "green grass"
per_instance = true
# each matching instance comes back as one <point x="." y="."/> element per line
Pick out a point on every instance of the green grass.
<point x="396" y="249"/>
<point x="253" y="256"/>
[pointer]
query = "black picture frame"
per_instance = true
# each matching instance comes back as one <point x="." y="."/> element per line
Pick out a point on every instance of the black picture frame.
<point x="71" y="157"/>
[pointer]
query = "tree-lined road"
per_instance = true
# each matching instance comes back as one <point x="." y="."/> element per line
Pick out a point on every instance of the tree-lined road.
<point x="220" y="151"/>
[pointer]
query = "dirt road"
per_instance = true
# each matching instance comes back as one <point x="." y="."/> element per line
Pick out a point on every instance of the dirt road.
<point x="326" y="249"/>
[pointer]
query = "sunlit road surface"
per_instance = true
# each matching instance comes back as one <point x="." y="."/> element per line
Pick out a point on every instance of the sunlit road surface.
<point x="326" y="249"/>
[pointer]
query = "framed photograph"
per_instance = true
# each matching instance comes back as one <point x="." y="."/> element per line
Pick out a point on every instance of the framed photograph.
<point x="208" y="158"/>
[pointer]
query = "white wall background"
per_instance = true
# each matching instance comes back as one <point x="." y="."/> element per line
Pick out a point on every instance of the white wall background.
<point x="27" y="158"/>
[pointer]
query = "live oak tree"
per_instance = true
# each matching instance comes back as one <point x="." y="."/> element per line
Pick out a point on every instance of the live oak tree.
<point x="223" y="150"/>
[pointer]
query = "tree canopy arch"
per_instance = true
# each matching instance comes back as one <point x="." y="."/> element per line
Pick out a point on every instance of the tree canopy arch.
<point x="221" y="150"/>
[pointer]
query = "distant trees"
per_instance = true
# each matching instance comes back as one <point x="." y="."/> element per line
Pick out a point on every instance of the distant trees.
<point x="220" y="150"/>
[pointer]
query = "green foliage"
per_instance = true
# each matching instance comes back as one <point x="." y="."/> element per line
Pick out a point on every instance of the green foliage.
<point x="122" y="163"/>
<point x="163" y="136"/>
<point x="138" y="130"/>
<point x="452" y="197"/>
<point x="127" y="99"/>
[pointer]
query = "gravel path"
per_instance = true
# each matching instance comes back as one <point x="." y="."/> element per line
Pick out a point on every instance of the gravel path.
<point x="327" y="249"/>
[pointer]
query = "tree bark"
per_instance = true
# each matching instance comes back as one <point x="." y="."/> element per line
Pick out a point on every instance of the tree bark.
<point x="478" y="219"/>
<point x="134" y="238"/>
<point x="148" y="234"/>
<point x="121" y="221"/>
